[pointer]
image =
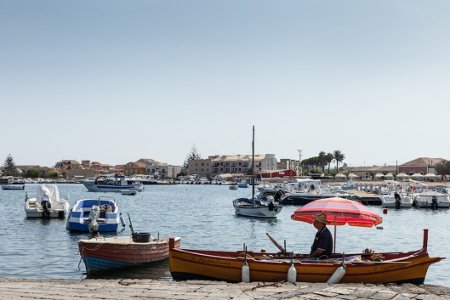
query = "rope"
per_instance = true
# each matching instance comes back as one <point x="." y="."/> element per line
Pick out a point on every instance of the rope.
<point x="39" y="266"/>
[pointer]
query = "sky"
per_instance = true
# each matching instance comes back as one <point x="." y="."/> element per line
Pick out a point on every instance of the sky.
<point x="115" y="81"/>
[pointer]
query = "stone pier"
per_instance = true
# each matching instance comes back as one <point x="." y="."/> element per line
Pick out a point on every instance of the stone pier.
<point x="189" y="290"/>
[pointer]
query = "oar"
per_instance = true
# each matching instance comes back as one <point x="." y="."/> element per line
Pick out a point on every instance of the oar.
<point x="276" y="244"/>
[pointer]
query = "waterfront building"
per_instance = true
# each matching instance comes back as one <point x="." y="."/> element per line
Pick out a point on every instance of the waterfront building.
<point x="230" y="164"/>
<point x="135" y="168"/>
<point x="421" y="165"/>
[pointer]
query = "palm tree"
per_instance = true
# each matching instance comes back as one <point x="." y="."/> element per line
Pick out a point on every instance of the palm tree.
<point x="322" y="159"/>
<point x="338" y="157"/>
<point x="330" y="158"/>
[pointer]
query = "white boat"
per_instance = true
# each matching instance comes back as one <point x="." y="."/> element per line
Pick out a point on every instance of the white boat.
<point x="112" y="183"/>
<point x="396" y="200"/>
<point x="128" y="192"/>
<point x="8" y="183"/>
<point x="47" y="203"/>
<point x="256" y="207"/>
<point x="304" y="191"/>
<point x="242" y="184"/>
<point x="144" y="179"/>
<point x="431" y="199"/>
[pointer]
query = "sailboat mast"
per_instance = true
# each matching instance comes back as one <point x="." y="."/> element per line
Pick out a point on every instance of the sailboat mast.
<point x="253" y="164"/>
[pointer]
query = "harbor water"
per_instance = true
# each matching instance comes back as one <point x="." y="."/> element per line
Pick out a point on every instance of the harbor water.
<point x="203" y="216"/>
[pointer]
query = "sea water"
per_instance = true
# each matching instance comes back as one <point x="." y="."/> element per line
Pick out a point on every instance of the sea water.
<point x="203" y="216"/>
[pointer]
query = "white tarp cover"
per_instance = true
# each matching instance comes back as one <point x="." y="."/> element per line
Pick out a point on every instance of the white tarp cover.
<point x="48" y="192"/>
<point x="402" y="175"/>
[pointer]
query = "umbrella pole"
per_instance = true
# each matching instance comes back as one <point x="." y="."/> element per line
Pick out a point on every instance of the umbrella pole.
<point x="334" y="240"/>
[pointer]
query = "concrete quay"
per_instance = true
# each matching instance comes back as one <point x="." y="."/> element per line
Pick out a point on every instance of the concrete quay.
<point x="214" y="290"/>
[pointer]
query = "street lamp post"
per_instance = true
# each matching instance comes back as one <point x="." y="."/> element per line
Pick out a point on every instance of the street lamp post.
<point x="300" y="161"/>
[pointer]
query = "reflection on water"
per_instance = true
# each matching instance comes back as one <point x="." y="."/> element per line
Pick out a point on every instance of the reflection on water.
<point x="203" y="216"/>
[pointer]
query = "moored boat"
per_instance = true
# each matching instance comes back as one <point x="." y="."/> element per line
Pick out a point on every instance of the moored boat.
<point x="13" y="187"/>
<point x="95" y="215"/>
<point x="396" y="200"/>
<point x="101" y="254"/>
<point x="47" y="203"/>
<point x="254" y="206"/>
<point x="112" y="183"/>
<point x="431" y="199"/>
<point x="396" y="267"/>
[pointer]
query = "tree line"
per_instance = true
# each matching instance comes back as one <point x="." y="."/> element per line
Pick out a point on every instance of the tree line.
<point x="323" y="160"/>
<point x="10" y="169"/>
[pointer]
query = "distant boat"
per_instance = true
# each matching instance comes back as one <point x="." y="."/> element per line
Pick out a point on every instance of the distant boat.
<point x="233" y="186"/>
<point x="8" y="183"/>
<point x="111" y="183"/>
<point x="396" y="200"/>
<point x="255" y="207"/>
<point x="95" y="215"/>
<point x="304" y="191"/>
<point x="243" y="184"/>
<point x="13" y="187"/>
<point x="47" y="203"/>
<point x="431" y="199"/>
<point x="128" y="192"/>
<point x="144" y="179"/>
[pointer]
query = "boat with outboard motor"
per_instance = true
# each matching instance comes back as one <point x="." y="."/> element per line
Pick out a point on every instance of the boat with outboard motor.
<point x="375" y="268"/>
<point x="303" y="191"/>
<point x="95" y="215"/>
<point x="431" y="199"/>
<point x="47" y="203"/>
<point x="396" y="200"/>
<point x="112" y="183"/>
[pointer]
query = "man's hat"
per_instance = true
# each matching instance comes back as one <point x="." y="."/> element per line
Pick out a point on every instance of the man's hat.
<point x="322" y="218"/>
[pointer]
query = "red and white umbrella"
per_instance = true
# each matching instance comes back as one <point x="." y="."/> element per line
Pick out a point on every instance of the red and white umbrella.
<point x="339" y="211"/>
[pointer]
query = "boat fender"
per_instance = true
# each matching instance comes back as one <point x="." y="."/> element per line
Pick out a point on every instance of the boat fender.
<point x="122" y="221"/>
<point x="292" y="273"/>
<point x="337" y="275"/>
<point x="245" y="272"/>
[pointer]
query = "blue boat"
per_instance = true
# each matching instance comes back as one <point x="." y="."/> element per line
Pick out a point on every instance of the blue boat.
<point x="95" y="215"/>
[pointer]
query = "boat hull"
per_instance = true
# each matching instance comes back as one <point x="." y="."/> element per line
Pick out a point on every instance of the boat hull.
<point x="33" y="211"/>
<point x="13" y="187"/>
<point x="303" y="199"/>
<point x="186" y="265"/>
<point x="103" y="254"/>
<point x="79" y="216"/>
<point x="93" y="187"/>
<point x="245" y="207"/>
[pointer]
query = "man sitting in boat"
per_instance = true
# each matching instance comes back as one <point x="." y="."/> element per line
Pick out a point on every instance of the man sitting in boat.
<point x="323" y="242"/>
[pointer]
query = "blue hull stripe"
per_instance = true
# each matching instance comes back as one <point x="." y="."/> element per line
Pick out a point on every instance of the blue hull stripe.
<point x="94" y="264"/>
<point x="72" y="226"/>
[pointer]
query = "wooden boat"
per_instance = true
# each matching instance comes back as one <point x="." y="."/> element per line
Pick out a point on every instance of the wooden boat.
<point x="397" y="267"/>
<point x="101" y="254"/>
